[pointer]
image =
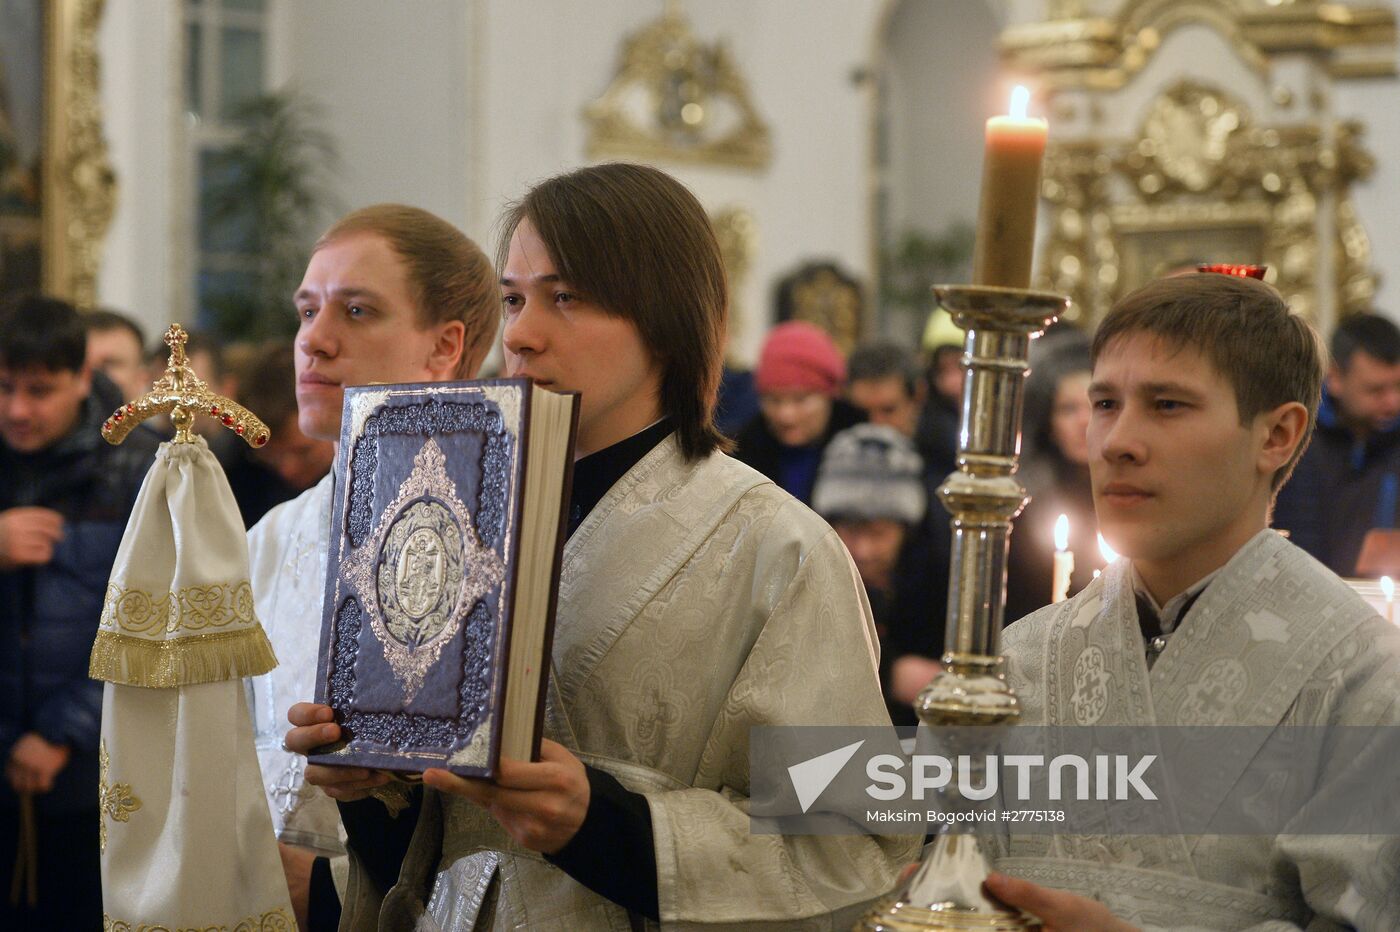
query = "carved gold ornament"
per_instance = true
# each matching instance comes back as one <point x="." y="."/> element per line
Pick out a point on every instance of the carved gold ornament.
<point x="819" y="293"/>
<point x="421" y="569"/>
<point x="79" y="187"/>
<point x="115" y="801"/>
<point x="737" y="234"/>
<point x="1071" y="49"/>
<point x="1202" y="182"/>
<point x="675" y="98"/>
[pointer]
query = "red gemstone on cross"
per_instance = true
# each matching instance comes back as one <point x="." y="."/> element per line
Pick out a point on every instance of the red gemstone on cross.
<point x="214" y="410"/>
<point x="238" y="429"/>
<point x="227" y="419"/>
<point x="117" y="416"/>
<point x="259" y="440"/>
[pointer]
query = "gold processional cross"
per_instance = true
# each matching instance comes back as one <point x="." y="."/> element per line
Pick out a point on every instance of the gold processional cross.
<point x="183" y="394"/>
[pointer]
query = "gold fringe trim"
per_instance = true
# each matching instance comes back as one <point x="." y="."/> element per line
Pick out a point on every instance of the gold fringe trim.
<point x="185" y="661"/>
<point x="274" y="920"/>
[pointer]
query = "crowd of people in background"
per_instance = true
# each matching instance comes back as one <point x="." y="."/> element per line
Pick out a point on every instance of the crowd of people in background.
<point x="865" y="441"/>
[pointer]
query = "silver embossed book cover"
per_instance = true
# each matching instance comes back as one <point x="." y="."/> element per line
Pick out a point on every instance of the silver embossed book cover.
<point x="446" y="536"/>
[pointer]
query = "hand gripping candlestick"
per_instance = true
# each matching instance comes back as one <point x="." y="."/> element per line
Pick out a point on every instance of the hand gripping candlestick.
<point x="945" y="891"/>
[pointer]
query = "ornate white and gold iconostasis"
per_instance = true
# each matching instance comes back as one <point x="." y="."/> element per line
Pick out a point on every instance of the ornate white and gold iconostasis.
<point x="816" y="130"/>
<point x="1221" y="131"/>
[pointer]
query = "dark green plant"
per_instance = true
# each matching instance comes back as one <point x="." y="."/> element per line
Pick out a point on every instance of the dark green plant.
<point x="915" y="261"/>
<point x="266" y="196"/>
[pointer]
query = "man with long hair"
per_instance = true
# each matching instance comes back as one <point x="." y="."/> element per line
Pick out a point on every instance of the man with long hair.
<point x="697" y="600"/>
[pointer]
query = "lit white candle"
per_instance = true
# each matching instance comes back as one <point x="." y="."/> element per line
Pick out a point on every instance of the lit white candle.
<point x="1388" y="587"/>
<point x="1011" y="165"/>
<point x="1064" y="561"/>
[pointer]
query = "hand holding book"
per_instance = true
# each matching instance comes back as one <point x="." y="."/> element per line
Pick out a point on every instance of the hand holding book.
<point x="313" y="726"/>
<point x="447" y="530"/>
<point x="540" y="804"/>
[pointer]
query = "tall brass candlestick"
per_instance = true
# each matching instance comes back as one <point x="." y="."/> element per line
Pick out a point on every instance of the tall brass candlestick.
<point x="945" y="892"/>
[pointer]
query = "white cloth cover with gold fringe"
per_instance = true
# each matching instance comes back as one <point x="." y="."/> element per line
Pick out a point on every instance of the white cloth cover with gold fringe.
<point x="186" y="835"/>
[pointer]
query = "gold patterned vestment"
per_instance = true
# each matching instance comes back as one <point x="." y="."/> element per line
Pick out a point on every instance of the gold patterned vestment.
<point x="697" y="600"/>
<point x="1275" y="639"/>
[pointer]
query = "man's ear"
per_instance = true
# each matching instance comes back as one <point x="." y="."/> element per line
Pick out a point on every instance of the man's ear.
<point x="1284" y="428"/>
<point x="473" y="358"/>
<point x="447" y="349"/>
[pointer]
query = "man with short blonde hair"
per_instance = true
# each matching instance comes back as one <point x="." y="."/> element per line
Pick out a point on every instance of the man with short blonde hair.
<point x="391" y="294"/>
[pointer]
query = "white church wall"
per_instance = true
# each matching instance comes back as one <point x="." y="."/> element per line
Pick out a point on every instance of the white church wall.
<point x="544" y="61"/>
<point x="942" y="78"/>
<point x="458" y="105"/>
<point x="393" y="83"/>
<point x="141" y="102"/>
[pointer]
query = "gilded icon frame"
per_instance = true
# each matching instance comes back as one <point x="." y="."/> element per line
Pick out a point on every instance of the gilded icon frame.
<point x="75" y="187"/>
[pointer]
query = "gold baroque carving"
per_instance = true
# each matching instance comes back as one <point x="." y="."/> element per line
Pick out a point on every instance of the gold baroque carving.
<point x="821" y="294"/>
<point x="1072" y="50"/>
<point x="1356" y="281"/>
<point x="79" y="193"/>
<point x="1200" y="177"/>
<point x="737" y="234"/>
<point x="676" y="98"/>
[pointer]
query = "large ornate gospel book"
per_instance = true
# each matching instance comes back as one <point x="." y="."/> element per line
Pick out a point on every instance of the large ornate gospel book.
<point x="447" y="530"/>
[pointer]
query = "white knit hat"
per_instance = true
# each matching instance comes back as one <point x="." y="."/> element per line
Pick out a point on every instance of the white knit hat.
<point x="869" y="472"/>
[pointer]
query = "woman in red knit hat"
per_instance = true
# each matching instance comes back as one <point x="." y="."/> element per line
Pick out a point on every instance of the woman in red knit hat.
<point x="800" y="376"/>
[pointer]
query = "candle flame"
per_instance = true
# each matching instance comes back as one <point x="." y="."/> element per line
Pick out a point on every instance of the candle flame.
<point x="1388" y="587"/>
<point x="1020" y="101"/>
<point x="1109" y="554"/>
<point x="1062" y="532"/>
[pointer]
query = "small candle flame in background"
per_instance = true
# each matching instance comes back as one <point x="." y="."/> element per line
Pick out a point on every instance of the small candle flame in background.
<point x="1020" y="102"/>
<point x="1064" y="561"/>
<point x="1109" y="554"/>
<point x="1388" y="587"/>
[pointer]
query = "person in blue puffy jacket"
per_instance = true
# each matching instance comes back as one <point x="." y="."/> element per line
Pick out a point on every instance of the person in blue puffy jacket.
<point x="65" y="496"/>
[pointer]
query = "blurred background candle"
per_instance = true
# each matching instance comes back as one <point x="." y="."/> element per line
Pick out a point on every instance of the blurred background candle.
<point x="1064" y="561"/>
<point x="1010" y="194"/>
<point x="1388" y="587"/>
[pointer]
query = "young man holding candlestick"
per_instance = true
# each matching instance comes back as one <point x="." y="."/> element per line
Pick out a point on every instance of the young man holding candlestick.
<point x="1205" y="389"/>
